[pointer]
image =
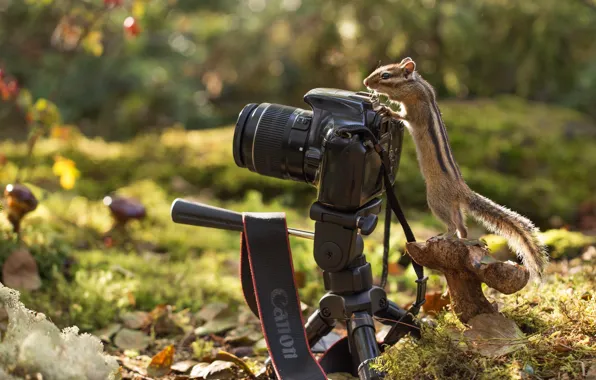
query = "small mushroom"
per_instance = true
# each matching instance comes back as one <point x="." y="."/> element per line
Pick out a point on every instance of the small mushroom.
<point x="20" y="271"/>
<point x="124" y="209"/>
<point x="20" y="201"/>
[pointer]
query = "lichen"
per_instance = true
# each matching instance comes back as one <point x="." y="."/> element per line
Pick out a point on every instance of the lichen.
<point x="32" y="344"/>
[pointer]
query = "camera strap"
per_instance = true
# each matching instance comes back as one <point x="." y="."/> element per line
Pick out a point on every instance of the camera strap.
<point x="397" y="330"/>
<point x="267" y="276"/>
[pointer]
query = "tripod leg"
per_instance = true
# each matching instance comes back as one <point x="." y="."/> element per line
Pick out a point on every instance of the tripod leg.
<point x="363" y="344"/>
<point x="317" y="327"/>
<point x="407" y="324"/>
<point x="391" y="314"/>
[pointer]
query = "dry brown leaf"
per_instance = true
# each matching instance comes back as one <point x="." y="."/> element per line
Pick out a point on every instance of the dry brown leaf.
<point x="164" y="322"/>
<point x="216" y="326"/>
<point x="136" y="320"/>
<point x="127" y="339"/>
<point x="435" y="302"/>
<point x="210" y="311"/>
<point x="161" y="363"/>
<point x="216" y="370"/>
<point x="184" y="365"/>
<point x="20" y="271"/>
<point x="107" y="332"/>
<point x="226" y="356"/>
<point x="494" y="335"/>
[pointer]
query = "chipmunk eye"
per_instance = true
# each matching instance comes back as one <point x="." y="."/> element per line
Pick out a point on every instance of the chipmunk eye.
<point x="385" y="75"/>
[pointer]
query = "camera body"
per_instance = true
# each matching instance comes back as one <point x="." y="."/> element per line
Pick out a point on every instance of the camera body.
<point x="314" y="147"/>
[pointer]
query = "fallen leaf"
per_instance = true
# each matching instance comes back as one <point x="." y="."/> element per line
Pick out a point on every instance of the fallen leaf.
<point x="136" y="320"/>
<point x="198" y="371"/>
<point x="107" y="332"/>
<point x="164" y="322"/>
<point x="244" y="351"/>
<point x="493" y="335"/>
<point x="127" y="339"/>
<point x="210" y="311"/>
<point x="260" y="347"/>
<point x="184" y="365"/>
<point x="218" y="369"/>
<point x="137" y="364"/>
<point x="216" y="327"/>
<point x="226" y="356"/>
<point x="243" y="336"/>
<point x="161" y="363"/>
<point x="435" y="302"/>
<point x="20" y="271"/>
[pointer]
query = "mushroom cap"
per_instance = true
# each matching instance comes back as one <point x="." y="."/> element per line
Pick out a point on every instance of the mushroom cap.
<point x="20" y="271"/>
<point x="20" y="198"/>
<point x="124" y="209"/>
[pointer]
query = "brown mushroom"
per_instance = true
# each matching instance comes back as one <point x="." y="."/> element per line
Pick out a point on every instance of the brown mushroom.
<point x="124" y="209"/>
<point x="20" y="201"/>
<point x="466" y="266"/>
<point x="20" y="271"/>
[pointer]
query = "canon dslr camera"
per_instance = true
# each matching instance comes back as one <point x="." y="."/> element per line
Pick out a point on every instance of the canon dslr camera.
<point x="316" y="146"/>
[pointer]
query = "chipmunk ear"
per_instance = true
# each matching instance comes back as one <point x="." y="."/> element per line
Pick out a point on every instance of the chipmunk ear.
<point x="409" y="66"/>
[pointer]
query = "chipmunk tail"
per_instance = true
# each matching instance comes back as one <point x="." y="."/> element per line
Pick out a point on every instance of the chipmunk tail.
<point x="520" y="232"/>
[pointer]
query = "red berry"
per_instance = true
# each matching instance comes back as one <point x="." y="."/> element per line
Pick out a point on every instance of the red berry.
<point x="131" y="26"/>
<point x="112" y="3"/>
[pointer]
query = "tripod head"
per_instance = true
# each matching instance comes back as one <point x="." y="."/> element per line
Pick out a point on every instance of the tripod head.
<point x="338" y="234"/>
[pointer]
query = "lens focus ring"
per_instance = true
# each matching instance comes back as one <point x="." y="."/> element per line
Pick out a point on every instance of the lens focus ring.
<point x="267" y="148"/>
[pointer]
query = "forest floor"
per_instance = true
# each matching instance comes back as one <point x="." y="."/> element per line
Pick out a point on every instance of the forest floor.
<point x="166" y="299"/>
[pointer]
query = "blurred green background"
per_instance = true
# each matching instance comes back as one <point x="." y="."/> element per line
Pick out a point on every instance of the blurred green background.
<point x="198" y="62"/>
<point x="195" y="64"/>
<point x="144" y="107"/>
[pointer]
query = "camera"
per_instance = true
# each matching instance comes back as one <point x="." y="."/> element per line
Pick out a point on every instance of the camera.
<point x="317" y="146"/>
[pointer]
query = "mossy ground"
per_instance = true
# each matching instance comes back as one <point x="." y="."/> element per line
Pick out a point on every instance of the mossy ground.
<point x="89" y="281"/>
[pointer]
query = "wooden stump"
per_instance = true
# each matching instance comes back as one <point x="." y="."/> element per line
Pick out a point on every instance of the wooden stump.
<point x="466" y="266"/>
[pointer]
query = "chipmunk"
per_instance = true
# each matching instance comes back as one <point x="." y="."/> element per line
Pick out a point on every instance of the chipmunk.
<point x="448" y="196"/>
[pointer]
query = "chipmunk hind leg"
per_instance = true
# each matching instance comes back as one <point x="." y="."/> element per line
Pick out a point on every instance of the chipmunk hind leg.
<point x="445" y="212"/>
<point x="460" y="221"/>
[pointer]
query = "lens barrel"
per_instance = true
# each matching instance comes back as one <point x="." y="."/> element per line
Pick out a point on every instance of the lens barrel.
<point x="270" y="139"/>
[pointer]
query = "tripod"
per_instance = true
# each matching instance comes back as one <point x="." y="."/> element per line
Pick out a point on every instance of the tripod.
<point x="351" y="295"/>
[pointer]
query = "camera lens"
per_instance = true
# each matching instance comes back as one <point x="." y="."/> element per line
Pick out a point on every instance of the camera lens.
<point x="271" y="139"/>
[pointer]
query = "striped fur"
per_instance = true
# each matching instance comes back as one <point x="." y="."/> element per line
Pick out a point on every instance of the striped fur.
<point x="443" y="148"/>
<point x="448" y="196"/>
<point x="520" y="232"/>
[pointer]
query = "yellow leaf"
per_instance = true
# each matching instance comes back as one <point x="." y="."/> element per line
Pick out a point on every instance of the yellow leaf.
<point x="92" y="43"/>
<point x="41" y="105"/>
<point x="138" y="9"/>
<point x="61" y="132"/>
<point x="67" y="171"/>
<point x="46" y="112"/>
<point x="162" y="362"/>
<point x="67" y="181"/>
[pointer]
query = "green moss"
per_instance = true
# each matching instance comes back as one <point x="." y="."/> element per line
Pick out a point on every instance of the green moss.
<point x="515" y="152"/>
<point x="558" y="317"/>
<point x="563" y="243"/>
